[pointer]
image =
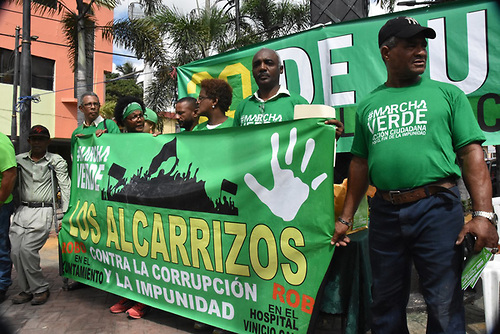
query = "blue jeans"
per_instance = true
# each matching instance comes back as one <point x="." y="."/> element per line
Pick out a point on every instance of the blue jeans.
<point x="423" y="232"/>
<point x="5" y="261"/>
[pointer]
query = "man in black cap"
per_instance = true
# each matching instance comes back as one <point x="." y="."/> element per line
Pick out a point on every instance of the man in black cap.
<point x="31" y="222"/>
<point x="409" y="133"/>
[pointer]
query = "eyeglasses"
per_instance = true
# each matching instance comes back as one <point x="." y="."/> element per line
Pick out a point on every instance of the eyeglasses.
<point x="135" y="117"/>
<point x="201" y="98"/>
<point x="90" y="104"/>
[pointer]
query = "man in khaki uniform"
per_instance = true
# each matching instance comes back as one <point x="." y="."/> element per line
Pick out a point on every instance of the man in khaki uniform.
<point x="32" y="220"/>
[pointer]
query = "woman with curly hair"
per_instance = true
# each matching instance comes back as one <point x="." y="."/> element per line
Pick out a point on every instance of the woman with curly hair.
<point x="213" y="102"/>
<point x="129" y="114"/>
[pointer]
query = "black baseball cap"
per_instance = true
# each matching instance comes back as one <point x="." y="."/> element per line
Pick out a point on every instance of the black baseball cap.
<point x="39" y="131"/>
<point x="403" y="27"/>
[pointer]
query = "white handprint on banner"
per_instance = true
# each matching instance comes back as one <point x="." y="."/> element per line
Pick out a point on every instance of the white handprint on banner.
<point x="289" y="192"/>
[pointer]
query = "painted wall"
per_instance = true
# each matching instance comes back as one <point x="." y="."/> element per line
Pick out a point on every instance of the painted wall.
<point x="41" y="113"/>
<point x="57" y="109"/>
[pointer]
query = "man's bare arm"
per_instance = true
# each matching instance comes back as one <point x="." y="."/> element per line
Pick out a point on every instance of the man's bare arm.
<point x="478" y="183"/>
<point x="356" y="188"/>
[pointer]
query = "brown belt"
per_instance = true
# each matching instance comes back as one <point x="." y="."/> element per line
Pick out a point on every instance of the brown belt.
<point x="412" y="195"/>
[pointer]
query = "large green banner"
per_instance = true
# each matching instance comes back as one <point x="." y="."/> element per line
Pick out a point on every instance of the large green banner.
<point x="230" y="227"/>
<point x="339" y="64"/>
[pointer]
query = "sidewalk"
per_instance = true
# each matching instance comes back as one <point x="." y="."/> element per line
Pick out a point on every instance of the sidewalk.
<point x="86" y="311"/>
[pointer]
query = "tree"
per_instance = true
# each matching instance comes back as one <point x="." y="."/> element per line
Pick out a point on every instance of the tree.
<point x="162" y="93"/>
<point x="196" y="35"/>
<point x="199" y="34"/>
<point x="127" y="70"/>
<point x="273" y="19"/>
<point x="139" y="35"/>
<point x="189" y="37"/>
<point x="79" y="28"/>
<point x="120" y="84"/>
<point x="117" y="86"/>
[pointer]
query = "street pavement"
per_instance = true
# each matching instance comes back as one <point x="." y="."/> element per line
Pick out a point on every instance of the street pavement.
<point x="86" y="310"/>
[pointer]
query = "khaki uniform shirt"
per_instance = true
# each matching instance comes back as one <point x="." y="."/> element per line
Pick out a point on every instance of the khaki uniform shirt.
<point x="35" y="180"/>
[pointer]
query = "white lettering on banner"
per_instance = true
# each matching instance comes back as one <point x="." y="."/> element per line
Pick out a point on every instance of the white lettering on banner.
<point x="108" y="274"/>
<point x="89" y="175"/>
<point x="398" y="120"/>
<point x="92" y="154"/>
<point x="477" y="46"/>
<point x="112" y="259"/>
<point x="304" y="68"/>
<point x="203" y="282"/>
<point x="329" y="69"/>
<point x="441" y="54"/>
<point x="125" y="284"/>
<point x="225" y="310"/>
<point x="260" y="119"/>
<point x="235" y="288"/>
<point x="90" y="166"/>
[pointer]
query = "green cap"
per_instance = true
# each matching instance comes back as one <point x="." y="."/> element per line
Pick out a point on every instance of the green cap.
<point x="151" y="116"/>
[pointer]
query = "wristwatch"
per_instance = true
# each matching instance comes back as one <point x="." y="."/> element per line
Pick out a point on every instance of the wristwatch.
<point x="491" y="216"/>
<point x="345" y="222"/>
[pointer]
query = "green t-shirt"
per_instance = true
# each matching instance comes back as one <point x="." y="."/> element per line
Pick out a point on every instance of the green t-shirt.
<point x="410" y="135"/>
<point x="7" y="158"/>
<point x="88" y="130"/>
<point x="228" y="123"/>
<point x="277" y="109"/>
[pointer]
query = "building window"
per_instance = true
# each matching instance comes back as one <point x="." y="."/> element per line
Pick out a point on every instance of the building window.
<point x="42" y="70"/>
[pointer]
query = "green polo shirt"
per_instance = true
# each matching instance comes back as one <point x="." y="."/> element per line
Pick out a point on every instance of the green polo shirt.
<point x="279" y="108"/>
<point x="98" y="124"/>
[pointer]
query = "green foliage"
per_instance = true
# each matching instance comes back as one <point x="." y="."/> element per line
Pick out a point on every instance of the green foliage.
<point x="162" y="92"/>
<point x="108" y="109"/>
<point x="272" y="19"/>
<point x="117" y="87"/>
<point x="140" y="35"/>
<point x="196" y="35"/>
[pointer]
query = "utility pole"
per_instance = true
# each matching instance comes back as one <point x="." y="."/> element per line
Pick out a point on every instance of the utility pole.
<point x="13" y="126"/>
<point x="237" y="11"/>
<point x="25" y="110"/>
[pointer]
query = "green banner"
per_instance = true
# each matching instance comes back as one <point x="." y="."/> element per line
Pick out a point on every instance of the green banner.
<point x="229" y="227"/>
<point x="339" y="64"/>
